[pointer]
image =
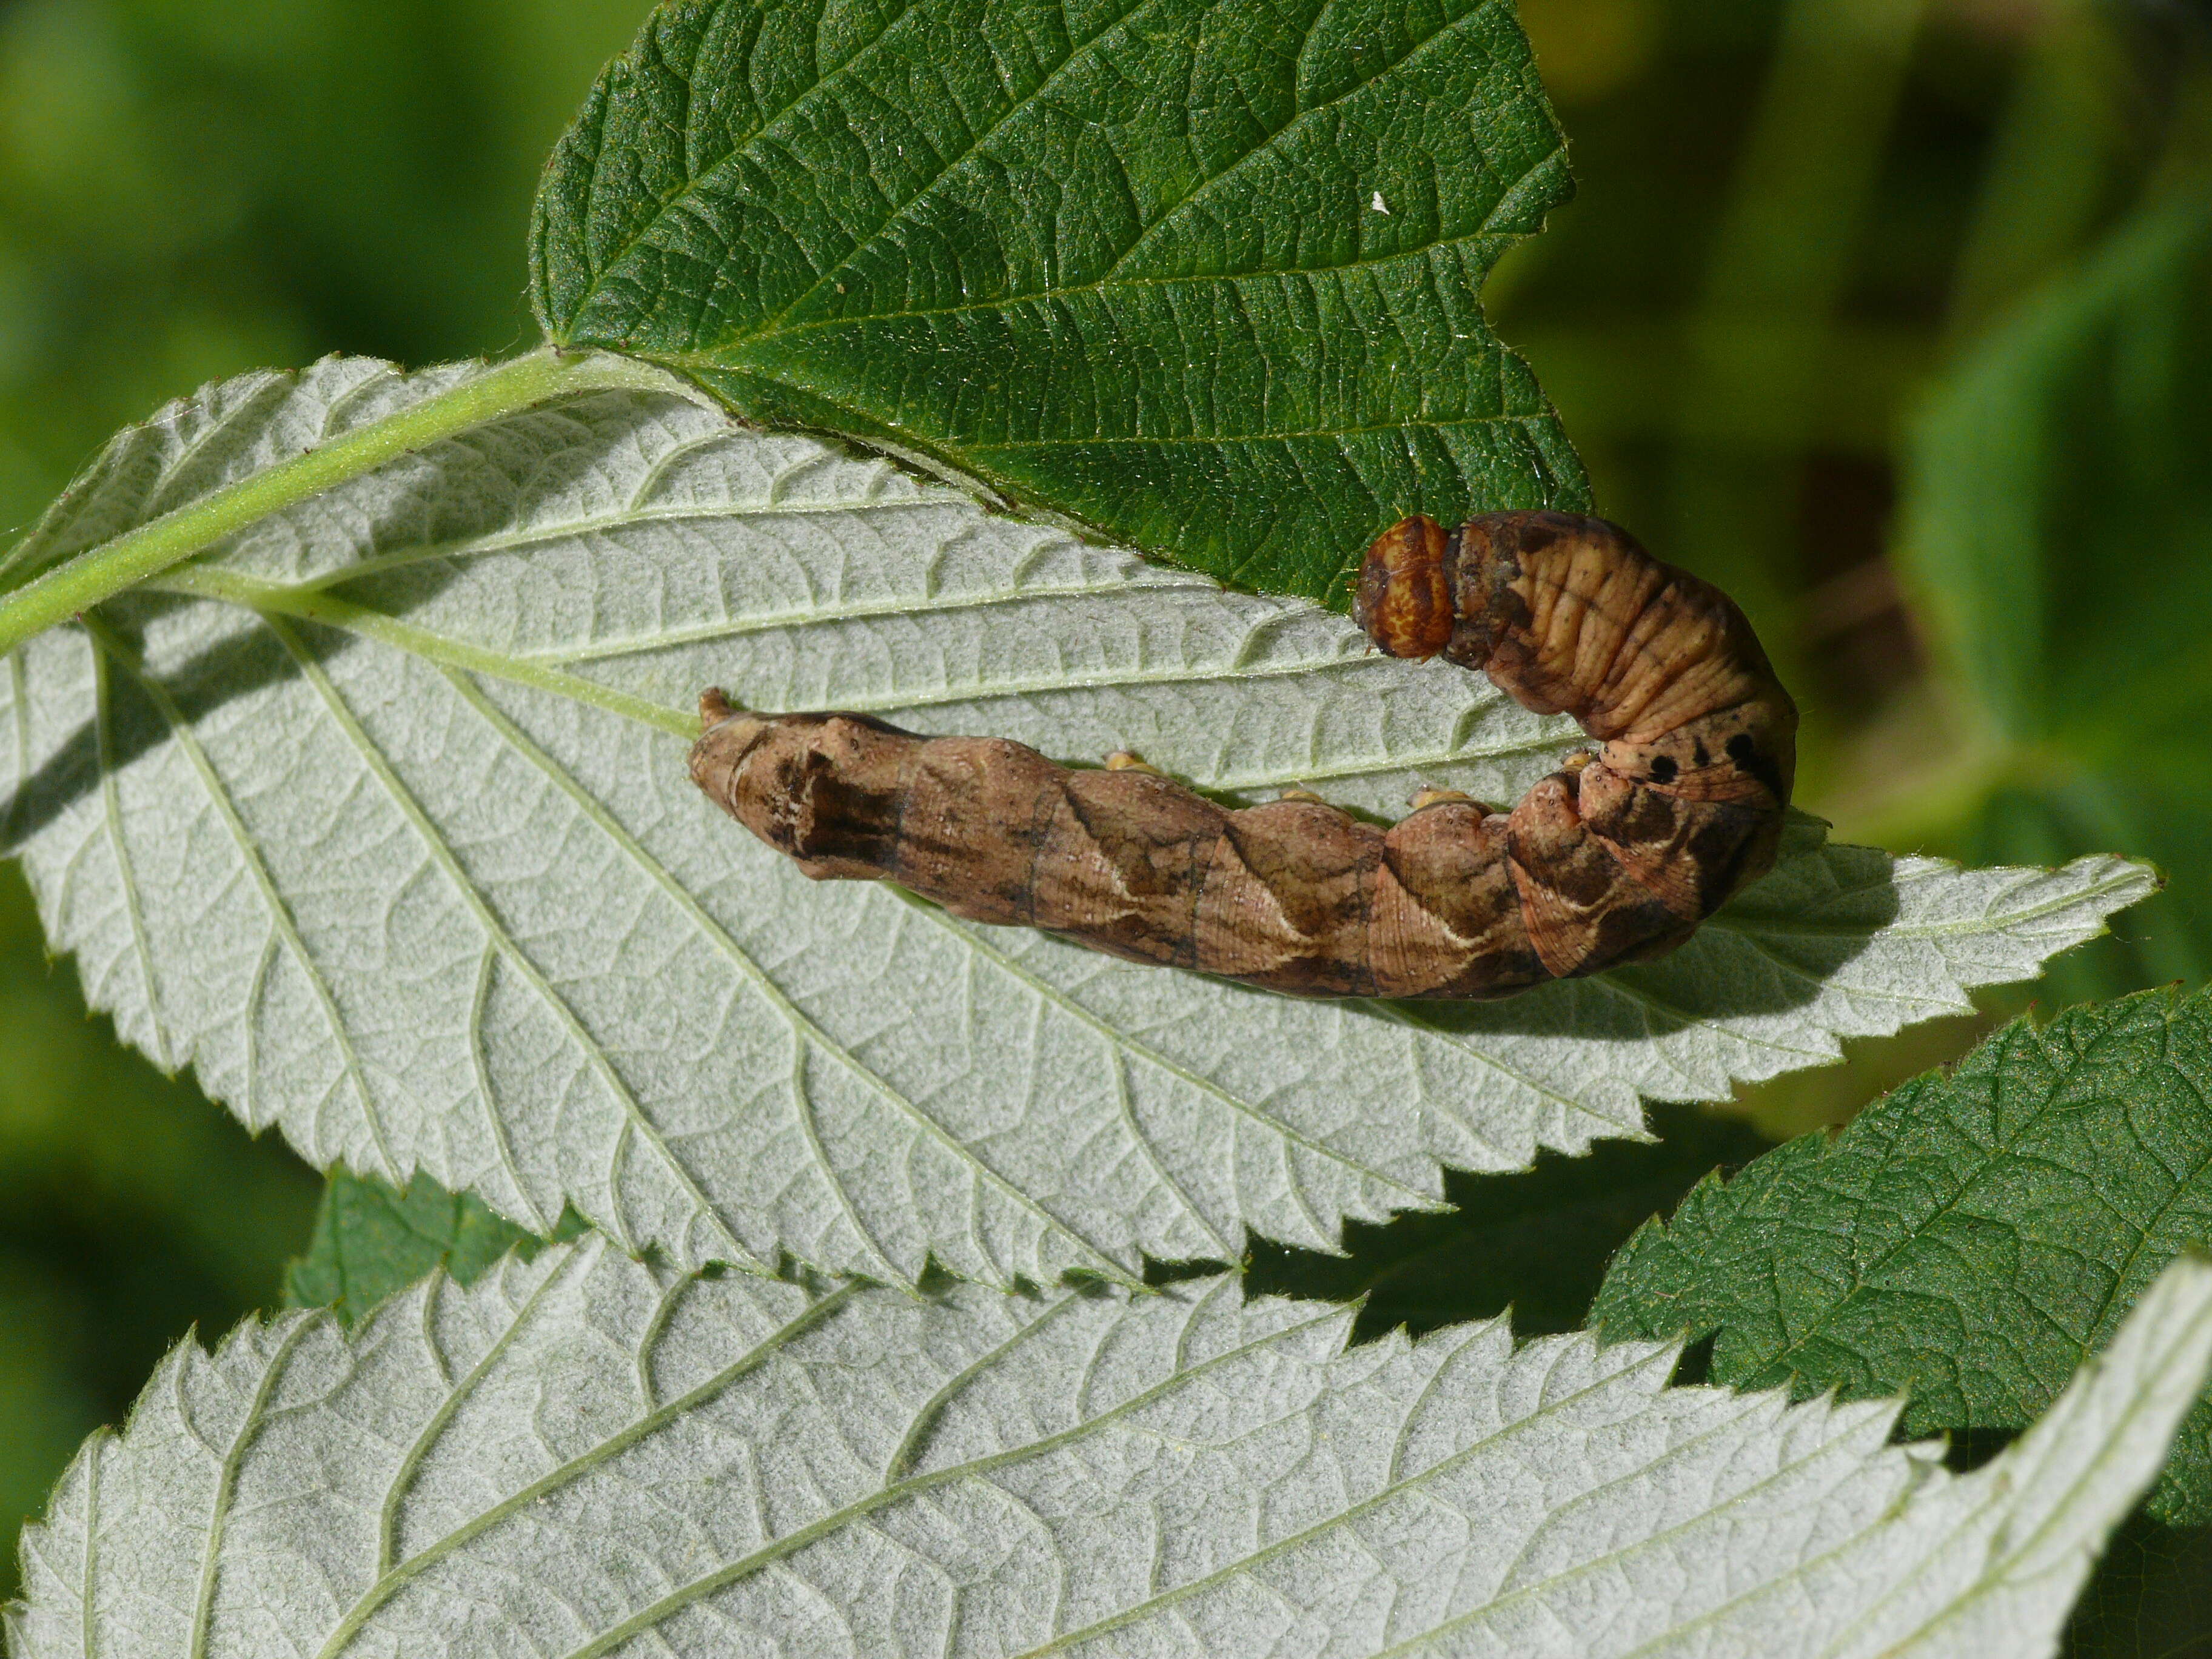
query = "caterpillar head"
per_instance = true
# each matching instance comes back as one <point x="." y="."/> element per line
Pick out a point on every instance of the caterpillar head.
<point x="1404" y="599"/>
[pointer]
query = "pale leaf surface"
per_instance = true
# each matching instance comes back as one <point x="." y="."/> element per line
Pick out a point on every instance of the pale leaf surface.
<point x="377" y="817"/>
<point x="581" y="1455"/>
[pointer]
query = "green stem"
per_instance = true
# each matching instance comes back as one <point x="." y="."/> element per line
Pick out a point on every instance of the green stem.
<point x="101" y="573"/>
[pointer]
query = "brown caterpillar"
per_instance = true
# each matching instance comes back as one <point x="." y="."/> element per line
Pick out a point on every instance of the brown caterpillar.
<point x="1616" y="858"/>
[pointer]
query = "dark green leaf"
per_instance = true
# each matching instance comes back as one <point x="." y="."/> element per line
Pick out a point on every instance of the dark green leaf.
<point x="1204" y="275"/>
<point x="2058" y="535"/>
<point x="372" y="1240"/>
<point x="2150" y="1597"/>
<point x="1536" y="1243"/>
<point x="1969" y="1240"/>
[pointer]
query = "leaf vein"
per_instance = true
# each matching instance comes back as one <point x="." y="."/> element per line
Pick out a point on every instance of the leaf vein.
<point x="804" y="1027"/>
<point x="284" y="925"/>
<point x="495" y="931"/>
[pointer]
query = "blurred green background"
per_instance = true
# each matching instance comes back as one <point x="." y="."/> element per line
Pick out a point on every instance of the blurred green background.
<point x="1893" y="316"/>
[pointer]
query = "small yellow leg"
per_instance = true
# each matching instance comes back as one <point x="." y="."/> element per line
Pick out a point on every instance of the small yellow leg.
<point x="1296" y="793"/>
<point x="1127" y="760"/>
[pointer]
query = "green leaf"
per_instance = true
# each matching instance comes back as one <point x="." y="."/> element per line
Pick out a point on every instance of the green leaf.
<point x="1203" y="275"/>
<point x="377" y="817"/>
<point x="2150" y="1595"/>
<point x="373" y="1240"/>
<point x="584" y="1455"/>
<point x="1967" y="1241"/>
<point x="1535" y="1242"/>
<point x="2058" y="539"/>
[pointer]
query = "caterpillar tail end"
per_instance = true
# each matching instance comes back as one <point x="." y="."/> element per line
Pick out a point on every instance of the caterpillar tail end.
<point x="726" y="735"/>
<point x="714" y="706"/>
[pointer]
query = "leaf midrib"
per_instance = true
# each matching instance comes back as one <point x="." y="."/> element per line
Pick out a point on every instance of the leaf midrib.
<point x="254" y="594"/>
<point x="732" y="353"/>
<point x="688" y="1594"/>
<point x="1994" y="922"/>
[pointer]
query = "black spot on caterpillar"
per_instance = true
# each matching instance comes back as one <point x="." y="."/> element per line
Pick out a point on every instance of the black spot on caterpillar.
<point x="1615" y="858"/>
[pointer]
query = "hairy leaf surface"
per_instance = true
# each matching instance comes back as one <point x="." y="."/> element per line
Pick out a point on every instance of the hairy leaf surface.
<point x="377" y="817"/>
<point x="1204" y="275"/>
<point x="581" y="1456"/>
<point x="1967" y="1240"/>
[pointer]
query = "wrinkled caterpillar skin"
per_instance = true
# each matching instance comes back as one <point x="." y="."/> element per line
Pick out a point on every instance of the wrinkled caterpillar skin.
<point x="1616" y="858"/>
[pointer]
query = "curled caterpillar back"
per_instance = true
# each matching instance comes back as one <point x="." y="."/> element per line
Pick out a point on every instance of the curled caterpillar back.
<point x="1617" y="857"/>
<point x="1570" y="615"/>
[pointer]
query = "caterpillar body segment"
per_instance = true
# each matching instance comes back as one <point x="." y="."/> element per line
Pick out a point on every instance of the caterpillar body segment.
<point x="1616" y="857"/>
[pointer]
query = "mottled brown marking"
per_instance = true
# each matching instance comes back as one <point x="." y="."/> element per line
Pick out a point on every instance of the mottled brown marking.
<point x="1615" y="858"/>
<point x="1404" y="598"/>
